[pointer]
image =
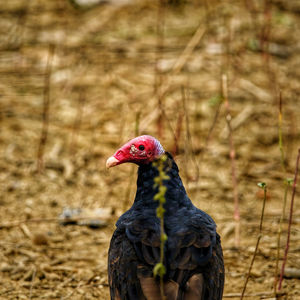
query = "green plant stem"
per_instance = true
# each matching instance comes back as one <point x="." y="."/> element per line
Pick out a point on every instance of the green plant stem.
<point x="162" y="245"/>
<point x="159" y="268"/>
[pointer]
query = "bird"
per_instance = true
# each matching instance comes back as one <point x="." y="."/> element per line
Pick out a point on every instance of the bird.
<point x="193" y="256"/>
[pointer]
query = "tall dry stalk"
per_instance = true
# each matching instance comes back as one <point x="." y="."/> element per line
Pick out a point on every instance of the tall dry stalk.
<point x="160" y="24"/>
<point x="280" y="142"/>
<point x="290" y="222"/>
<point x="232" y="158"/>
<point x="264" y="187"/>
<point x="266" y="31"/>
<point x="189" y="150"/>
<point x="77" y="121"/>
<point x="287" y="183"/>
<point x="45" y="115"/>
<point x="177" y="135"/>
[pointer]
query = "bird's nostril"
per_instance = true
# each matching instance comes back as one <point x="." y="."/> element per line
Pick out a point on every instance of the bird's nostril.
<point x="119" y="153"/>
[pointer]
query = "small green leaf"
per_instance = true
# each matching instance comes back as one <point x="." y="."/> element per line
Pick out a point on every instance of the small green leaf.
<point x="160" y="212"/>
<point x="215" y="100"/>
<point x="289" y="181"/>
<point x="162" y="189"/>
<point x="262" y="185"/>
<point x="164" y="158"/>
<point x="158" y="197"/>
<point x="159" y="269"/>
<point x="253" y="44"/>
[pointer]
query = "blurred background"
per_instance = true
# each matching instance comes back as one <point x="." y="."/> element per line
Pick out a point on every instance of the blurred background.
<point x="80" y="78"/>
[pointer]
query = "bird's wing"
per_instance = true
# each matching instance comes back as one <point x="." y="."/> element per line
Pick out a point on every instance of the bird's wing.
<point x="195" y="259"/>
<point x="133" y="253"/>
<point x="122" y="268"/>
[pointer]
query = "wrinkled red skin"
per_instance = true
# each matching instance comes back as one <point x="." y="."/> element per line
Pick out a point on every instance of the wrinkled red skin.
<point x="133" y="150"/>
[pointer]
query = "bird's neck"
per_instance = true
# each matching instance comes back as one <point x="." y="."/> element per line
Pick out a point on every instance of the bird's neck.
<point x="145" y="186"/>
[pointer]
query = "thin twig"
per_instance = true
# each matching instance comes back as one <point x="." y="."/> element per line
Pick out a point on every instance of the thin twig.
<point x="189" y="144"/>
<point x="264" y="186"/>
<point x="233" y="165"/>
<point x="213" y="125"/>
<point x="265" y="31"/>
<point x="177" y="133"/>
<point x="280" y="144"/>
<point x="193" y="42"/>
<point x="280" y="132"/>
<point x="77" y="121"/>
<point x="158" y="77"/>
<point x="32" y="281"/>
<point x="46" y="104"/>
<point x="290" y="222"/>
<point x="210" y="131"/>
<point x="258" y="294"/>
<point x="282" y="217"/>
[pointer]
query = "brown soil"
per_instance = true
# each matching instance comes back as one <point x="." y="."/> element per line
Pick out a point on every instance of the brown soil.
<point x="109" y="68"/>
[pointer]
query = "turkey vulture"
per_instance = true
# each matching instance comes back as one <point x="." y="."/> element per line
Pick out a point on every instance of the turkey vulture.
<point x="193" y="253"/>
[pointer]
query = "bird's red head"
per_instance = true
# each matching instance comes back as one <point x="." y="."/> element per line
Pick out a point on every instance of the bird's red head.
<point x="140" y="150"/>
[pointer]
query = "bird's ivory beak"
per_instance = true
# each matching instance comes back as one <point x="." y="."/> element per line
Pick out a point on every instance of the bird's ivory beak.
<point x="111" y="162"/>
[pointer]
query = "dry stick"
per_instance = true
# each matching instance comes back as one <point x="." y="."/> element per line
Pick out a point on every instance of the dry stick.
<point x="179" y="64"/>
<point x="46" y="96"/>
<point x="280" y="132"/>
<point x="77" y="121"/>
<point x="259" y="294"/>
<point x="32" y="282"/>
<point x="210" y="131"/>
<point x="290" y="222"/>
<point x="158" y="77"/>
<point x="265" y="32"/>
<point x="173" y="132"/>
<point x="177" y="134"/>
<point x="287" y="183"/>
<point x="264" y="186"/>
<point x="189" y="146"/>
<point x="232" y="157"/>
<point x="182" y="59"/>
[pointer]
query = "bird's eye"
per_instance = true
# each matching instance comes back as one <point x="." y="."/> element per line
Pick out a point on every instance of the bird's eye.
<point x="142" y="147"/>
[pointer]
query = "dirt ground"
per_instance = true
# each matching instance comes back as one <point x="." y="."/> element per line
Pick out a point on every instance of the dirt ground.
<point x="84" y="81"/>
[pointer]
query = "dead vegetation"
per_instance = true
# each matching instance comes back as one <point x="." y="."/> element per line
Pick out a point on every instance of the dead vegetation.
<point x="76" y="83"/>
